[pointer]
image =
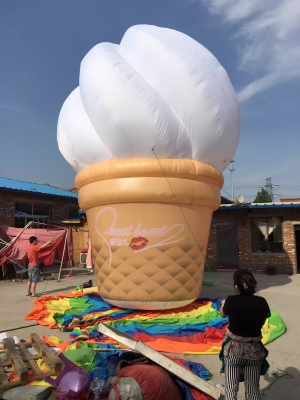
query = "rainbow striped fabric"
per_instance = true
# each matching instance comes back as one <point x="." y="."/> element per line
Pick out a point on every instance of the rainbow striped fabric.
<point x="194" y="329"/>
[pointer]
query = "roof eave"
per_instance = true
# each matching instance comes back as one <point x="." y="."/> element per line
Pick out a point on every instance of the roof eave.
<point x="259" y="206"/>
<point x="40" y="193"/>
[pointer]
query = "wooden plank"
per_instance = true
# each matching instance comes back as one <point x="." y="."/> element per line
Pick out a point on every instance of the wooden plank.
<point x="3" y="377"/>
<point x="26" y="354"/>
<point x="51" y="359"/>
<point x="28" y="358"/>
<point x="182" y="373"/>
<point x="16" y="361"/>
<point x="36" y="345"/>
<point x="6" y="364"/>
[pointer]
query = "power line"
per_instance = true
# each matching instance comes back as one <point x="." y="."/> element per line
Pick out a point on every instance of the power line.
<point x="258" y="187"/>
<point x="287" y="186"/>
<point x="282" y="187"/>
<point x="226" y="192"/>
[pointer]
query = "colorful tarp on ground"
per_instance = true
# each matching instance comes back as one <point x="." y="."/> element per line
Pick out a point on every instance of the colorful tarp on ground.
<point x="194" y="329"/>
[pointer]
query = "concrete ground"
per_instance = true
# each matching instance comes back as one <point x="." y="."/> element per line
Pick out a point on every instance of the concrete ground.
<point x="281" y="291"/>
<point x="15" y="305"/>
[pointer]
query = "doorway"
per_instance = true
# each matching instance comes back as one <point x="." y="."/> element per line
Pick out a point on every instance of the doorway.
<point x="227" y="247"/>
<point x="297" y="245"/>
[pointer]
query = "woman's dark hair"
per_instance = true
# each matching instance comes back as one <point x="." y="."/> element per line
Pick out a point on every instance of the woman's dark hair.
<point x="245" y="281"/>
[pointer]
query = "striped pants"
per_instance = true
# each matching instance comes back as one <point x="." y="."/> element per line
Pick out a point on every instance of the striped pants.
<point x="234" y="368"/>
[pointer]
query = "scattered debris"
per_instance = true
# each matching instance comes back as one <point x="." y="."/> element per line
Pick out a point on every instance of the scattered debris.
<point x="161" y="360"/>
<point x="20" y="360"/>
<point x="87" y="284"/>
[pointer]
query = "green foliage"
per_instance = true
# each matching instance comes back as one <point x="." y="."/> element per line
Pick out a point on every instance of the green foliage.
<point x="262" y="197"/>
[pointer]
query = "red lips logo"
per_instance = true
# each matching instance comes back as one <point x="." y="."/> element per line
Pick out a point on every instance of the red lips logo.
<point x="138" y="243"/>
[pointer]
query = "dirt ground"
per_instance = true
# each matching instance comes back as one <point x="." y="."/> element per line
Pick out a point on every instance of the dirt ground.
<point x="281" y="291"/>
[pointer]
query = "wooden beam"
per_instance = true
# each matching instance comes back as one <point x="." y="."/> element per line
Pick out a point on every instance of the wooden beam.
<point x="161" y="360"/>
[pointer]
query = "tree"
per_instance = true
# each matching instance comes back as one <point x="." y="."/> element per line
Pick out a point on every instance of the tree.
<point x="263" y="197"/>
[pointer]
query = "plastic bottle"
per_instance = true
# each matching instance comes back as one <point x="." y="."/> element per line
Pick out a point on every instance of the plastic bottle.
<point x="99" y="385"/>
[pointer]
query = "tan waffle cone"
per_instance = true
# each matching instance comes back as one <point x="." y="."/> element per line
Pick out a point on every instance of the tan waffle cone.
<point x="149" y="229"/>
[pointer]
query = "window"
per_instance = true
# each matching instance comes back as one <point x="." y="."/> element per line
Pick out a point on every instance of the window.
<point x="41" y="209"/>
<point x="25" y="208"/>
<point x="26" y="212"/>
<point x="267" y="235"/>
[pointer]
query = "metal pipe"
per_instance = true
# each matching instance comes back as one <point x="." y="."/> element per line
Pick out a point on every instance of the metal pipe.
<point x="63" y="255"/>
<point x="232" y="169"/>
<point x="15" y="239"/>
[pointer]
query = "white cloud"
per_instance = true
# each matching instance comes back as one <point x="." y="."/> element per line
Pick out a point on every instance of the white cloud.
<point x="269" y="31"/>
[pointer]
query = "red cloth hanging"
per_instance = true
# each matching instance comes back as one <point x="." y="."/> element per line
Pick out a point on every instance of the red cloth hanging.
<point x="16" y="249"/>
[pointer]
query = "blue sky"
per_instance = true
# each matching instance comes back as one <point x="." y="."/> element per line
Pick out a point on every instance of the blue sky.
<point x="43" y="42"/>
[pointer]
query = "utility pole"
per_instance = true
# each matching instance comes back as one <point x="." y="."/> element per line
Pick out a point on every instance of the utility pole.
<point x="232" y="169"/>
<point x="269" y="188"/>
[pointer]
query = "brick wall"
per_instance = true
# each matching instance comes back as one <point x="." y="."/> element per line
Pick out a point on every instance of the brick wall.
<point x="59" y="205"/>
<point x="59" y="209"/>
<point x="285" y="262"/>
<point x="6" y="218"/>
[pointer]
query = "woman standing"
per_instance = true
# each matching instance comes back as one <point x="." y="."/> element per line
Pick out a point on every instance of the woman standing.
<point x="243" y="354"/>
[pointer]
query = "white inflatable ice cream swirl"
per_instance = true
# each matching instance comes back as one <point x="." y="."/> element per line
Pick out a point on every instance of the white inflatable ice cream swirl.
<point x="159" y="88"/>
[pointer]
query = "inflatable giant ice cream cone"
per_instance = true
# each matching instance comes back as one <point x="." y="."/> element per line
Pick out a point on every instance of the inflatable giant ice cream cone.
<point x="149" y="228"/>
<point x="151" y="127"/>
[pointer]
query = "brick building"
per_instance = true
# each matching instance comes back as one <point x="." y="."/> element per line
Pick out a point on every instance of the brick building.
<point x="256" y="236"/>
<point x="21" y="202"/>
<point x="252" y="236"/>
